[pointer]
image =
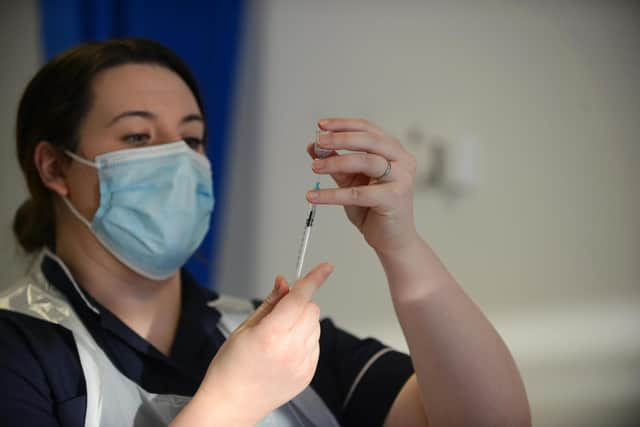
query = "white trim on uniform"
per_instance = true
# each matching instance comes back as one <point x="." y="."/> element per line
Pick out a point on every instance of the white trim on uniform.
<point x="62" y="265"/>
<point x="363" y="371"/>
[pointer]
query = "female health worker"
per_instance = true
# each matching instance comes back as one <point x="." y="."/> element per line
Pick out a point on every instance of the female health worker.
<point x="107" y="329"/>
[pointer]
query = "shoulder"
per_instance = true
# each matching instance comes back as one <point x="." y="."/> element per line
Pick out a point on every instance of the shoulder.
<point x="20" y="334"/>
<point x="30" y="336"/>
<point x="28" y="341"/>
<point x="358" y="378"/>
<point x="39" y="368"/>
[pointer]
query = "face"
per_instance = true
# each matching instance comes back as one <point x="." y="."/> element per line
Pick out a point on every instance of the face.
<point x="133" y="106"/>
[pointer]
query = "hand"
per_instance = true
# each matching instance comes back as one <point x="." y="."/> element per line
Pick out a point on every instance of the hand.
<point x="272" y="356"/>
<point x="381" y="208"/>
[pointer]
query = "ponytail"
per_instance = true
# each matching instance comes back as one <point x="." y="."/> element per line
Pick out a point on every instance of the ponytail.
<point x="33" y="225"/>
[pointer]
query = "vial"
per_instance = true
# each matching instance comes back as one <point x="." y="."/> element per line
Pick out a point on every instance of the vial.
<point x="320" y="152"/>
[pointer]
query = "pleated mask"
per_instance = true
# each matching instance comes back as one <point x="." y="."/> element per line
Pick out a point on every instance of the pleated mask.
<point x="155" y="205"/>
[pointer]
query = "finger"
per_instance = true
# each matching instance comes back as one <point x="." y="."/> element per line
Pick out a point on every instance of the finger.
<point x="285" y="314"/>
<point x="311" y="150"/>
<point x="304" y="289"/>
<point x="371" y="165"/>
<point x="341" y="124"/>
<point x="361" y="141"/>
<point x="365" y="196"/>
<point x="320" y="152"/>
<point x="280" y="289"/>
<point x="341" y="179"/>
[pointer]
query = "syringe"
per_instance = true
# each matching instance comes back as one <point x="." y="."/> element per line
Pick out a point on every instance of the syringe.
<point x="305" y="237"/>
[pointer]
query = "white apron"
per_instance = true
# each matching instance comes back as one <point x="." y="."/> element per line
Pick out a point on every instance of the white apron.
<point x="113" y="400"/>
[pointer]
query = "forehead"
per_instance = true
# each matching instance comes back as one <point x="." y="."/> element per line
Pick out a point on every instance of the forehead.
<point x="141" y="87"/>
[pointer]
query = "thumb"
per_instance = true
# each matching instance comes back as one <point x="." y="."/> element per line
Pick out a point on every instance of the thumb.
<point x="280" y="289"/>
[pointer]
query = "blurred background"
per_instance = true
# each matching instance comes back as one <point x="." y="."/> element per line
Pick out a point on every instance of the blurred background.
<point x="524" y="117"/>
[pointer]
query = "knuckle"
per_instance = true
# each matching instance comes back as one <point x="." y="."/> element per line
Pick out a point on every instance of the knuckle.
<point x="314" y="311"/>
<point x="296" y="296"/>
<point x="355" y="194"/>
<point x="269" y="300"/>
<point x="362" y="158"/>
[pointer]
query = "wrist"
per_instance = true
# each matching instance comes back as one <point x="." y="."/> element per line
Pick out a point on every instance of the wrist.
<point x="212" y="409"/>
<point x="406" y="245"/>
<point x="413" y="271"/>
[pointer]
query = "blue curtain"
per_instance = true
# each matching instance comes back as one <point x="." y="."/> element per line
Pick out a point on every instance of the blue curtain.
<point x="205" y="33"/>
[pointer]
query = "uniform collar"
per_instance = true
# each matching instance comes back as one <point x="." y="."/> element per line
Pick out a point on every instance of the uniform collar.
<point x="197" y="321"/>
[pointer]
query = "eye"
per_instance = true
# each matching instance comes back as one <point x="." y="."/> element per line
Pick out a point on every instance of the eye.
<point x="193" y="142"/>
<point x="136" y="138"/>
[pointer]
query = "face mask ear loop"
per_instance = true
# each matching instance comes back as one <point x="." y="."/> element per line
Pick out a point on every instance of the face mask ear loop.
<point x="77" y="214"/>
<point x="72" y="208"/>
<point x="80" y="159"/>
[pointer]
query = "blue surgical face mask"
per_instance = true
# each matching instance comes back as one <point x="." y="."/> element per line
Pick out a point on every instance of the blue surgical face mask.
<point x="155" y="204"/>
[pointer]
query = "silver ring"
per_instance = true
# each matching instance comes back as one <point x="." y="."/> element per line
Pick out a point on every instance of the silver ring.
<point x="386" y="172"/>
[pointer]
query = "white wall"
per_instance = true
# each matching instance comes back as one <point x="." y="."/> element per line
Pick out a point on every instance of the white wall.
<point x="548" y="241"/>
<point x="20" y="52"/>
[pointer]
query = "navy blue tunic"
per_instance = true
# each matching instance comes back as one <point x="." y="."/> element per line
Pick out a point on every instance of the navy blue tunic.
<point x="42" y="382"/>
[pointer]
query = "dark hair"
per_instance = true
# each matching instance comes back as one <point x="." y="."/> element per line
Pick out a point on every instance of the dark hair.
<point x="54" y="105"/>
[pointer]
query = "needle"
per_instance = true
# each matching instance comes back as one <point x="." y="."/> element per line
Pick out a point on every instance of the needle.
<point x="305" y="237"/>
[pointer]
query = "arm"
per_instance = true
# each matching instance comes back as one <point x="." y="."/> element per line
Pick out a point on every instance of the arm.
<point x="464" y="372"/>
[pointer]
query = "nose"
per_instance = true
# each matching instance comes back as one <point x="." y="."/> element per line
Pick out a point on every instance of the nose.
<point x="166" y="136"/>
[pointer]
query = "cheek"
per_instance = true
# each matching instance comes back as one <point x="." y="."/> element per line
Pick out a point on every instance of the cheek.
<point x="84" y="190"/>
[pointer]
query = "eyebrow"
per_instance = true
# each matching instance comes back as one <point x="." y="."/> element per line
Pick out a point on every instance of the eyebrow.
<point x="192" y="118"/>
<point x="151" y="116"/>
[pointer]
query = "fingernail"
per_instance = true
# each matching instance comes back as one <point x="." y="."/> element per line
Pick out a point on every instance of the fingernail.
<point x="323" y="122"/>
<point x="329" y="269"/>
<point x="312" y="194"/>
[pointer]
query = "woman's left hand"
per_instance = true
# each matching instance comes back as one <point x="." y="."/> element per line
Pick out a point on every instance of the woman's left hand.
<point x="375" y="179"/>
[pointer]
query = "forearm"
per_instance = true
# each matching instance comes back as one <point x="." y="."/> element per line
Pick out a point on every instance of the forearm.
<point x="205" y="410"/>
<point x="466" y="373"/>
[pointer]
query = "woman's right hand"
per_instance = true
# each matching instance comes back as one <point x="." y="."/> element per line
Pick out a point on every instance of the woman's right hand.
<point x="267" y="361"/>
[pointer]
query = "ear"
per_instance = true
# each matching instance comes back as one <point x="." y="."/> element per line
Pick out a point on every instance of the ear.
<point x="51" y="165"/>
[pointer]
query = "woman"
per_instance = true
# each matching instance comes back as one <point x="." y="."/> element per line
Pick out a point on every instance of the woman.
<point x="106" y="329"/>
